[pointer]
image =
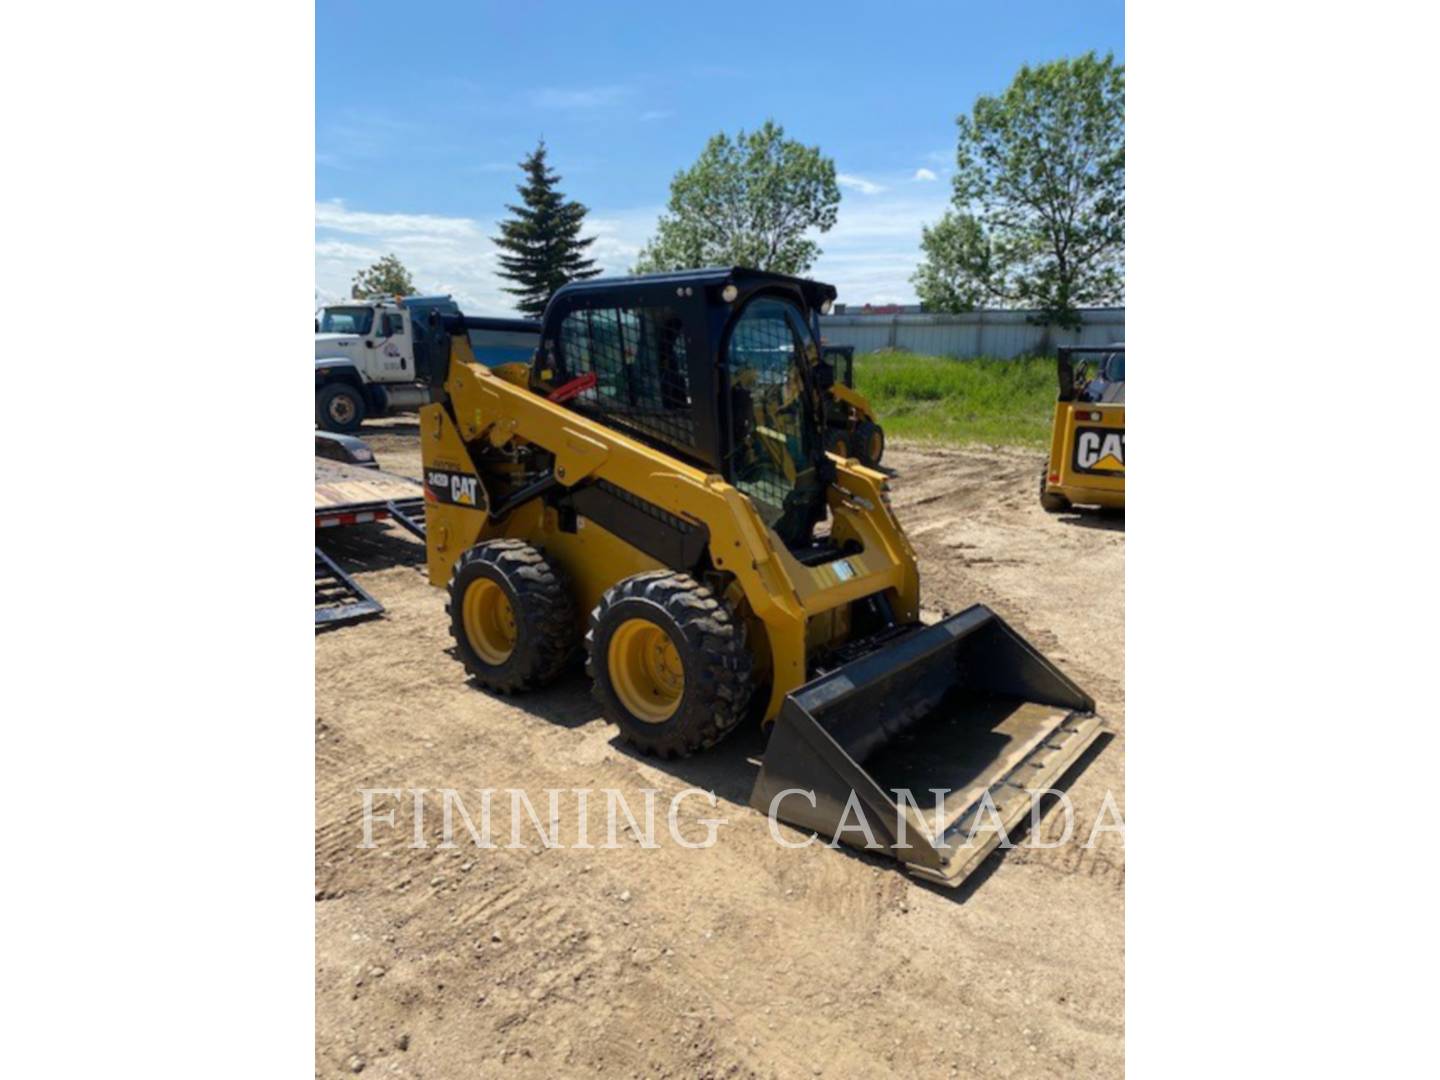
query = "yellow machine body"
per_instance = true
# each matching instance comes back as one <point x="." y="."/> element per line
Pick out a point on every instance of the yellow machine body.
<point x="857" y="403"/>
<point x="790" y="595"/>
<point x="852" y="427"/>
<point x="1087" y="454"/>
<point x="1087" y="436"/>
<point x="793" y="609"/>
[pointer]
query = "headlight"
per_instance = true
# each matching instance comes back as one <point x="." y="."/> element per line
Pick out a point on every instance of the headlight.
<point x="729" y="293"/>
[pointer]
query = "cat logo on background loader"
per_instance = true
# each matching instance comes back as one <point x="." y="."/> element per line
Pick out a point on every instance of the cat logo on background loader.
<point x="1086" y="466"/>
<point x="1100" y="451"/>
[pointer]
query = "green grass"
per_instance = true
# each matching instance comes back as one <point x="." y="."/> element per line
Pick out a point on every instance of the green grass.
<point x="940" y="399"/>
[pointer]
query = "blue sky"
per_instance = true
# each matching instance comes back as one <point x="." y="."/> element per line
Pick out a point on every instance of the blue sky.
<point x="423" y="110"/>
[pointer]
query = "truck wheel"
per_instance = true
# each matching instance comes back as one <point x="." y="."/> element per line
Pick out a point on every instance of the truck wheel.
<point x="1050" y="502"/>
<point x="669" y="663"/>
<point x="868" y="443"/>
<point x="339" y="407"/>
<point x="512" y="616"/>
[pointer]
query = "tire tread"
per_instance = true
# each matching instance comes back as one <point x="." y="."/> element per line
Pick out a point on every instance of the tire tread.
<point x="545" y="607"/>
<point x="712" y="632"/>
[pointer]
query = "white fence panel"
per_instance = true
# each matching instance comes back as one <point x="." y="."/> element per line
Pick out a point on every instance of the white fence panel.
<point x="1004" y="334"/>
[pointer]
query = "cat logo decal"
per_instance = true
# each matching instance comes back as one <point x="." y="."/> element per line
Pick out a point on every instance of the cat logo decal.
<point x="1100" y="450"/>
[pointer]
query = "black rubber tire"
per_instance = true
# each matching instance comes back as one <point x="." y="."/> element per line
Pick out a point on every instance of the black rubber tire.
<point x="1050" y="502"/>
<point x="860" y="440"/>
<point x="837" y="442"/>
<point x="325" y="401"/>
<point x="546" y="620"/>
<point x="710" y="641"/>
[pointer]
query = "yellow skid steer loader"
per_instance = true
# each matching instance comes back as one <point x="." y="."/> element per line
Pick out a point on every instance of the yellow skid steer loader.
<point x="851" y="427"/>
<point x="653" y="490"/>
<point x="1087" y="436"/>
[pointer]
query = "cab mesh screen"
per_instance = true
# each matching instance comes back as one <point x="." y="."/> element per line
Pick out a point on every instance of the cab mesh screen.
<point x="641" y="374"/>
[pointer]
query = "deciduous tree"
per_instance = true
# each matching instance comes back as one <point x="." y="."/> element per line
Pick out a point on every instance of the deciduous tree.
<point x="957" y="265"/>
<point x="1041" y="170"/>
<point x="748" y="201"/>
<point x="388" y="277"/>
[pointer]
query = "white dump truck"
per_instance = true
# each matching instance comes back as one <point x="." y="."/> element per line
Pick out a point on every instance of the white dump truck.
<point x="365" y="360"/>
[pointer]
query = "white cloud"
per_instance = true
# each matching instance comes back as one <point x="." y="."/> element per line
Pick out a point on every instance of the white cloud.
<point x="453" y="255"/>
<point x="619" y="235"/>
<point x="875" y="246"/>
<point x="361" y="254"/>
<point x="869" y="255"/>
<point x="859" y="183"/>
<point x="924" y="174"/>
<point x="588" y="97"/>
<point x="335" y="215"/>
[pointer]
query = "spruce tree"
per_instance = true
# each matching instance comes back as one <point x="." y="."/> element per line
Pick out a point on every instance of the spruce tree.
<point x="541" y="247"/>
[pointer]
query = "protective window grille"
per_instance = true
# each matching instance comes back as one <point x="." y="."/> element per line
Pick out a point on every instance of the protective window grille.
<point x="767" y="406"/>
<point x="641" y="374"/>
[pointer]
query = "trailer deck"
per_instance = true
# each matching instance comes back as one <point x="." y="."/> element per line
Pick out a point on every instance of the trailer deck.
<point x="353" y="494"/>
<point x="348" y="494"/>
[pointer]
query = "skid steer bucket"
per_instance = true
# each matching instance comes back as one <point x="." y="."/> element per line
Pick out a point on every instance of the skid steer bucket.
<point x="966" y="708"/>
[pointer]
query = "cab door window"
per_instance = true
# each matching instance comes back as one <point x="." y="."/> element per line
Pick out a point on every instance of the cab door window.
<point x="346" y="320"/>
<point x="771" y="451"/>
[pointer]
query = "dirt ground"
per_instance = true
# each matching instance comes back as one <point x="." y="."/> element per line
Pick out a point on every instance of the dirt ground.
<point x="744" y="959"/>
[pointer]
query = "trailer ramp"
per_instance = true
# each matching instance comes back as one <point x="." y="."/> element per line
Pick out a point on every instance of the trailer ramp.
<point x="347" y="494"/>
<point x="339" y="598"/>
<point x="409" y="514"/>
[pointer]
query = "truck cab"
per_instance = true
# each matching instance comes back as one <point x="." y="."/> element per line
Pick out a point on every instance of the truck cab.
<point x="365" y="355"/>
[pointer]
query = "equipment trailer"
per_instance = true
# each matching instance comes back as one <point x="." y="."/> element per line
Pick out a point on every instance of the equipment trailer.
<point x="356" y="494"/>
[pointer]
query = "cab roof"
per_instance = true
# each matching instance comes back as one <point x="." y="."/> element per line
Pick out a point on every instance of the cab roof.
<point x="744" y="278"/>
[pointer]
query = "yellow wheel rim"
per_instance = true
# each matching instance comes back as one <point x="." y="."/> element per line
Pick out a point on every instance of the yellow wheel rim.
<point x="645" y="671"/>
<point x="489" y="621"/>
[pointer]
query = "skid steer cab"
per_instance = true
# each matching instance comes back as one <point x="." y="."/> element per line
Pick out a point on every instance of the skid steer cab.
<point x="1087" y="437"/>
<point x="851" y="427"/>
<point x="653" y="492"/>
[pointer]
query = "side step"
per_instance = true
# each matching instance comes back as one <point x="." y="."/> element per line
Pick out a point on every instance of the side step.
<point x="339" y="599"/>
<point x="910" y="747"/>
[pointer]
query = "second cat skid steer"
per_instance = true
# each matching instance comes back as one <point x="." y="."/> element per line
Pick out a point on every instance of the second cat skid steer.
<point x="653" y="490"/>
<point x="851" y="427"/>
<point x="1087" y="436"/>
